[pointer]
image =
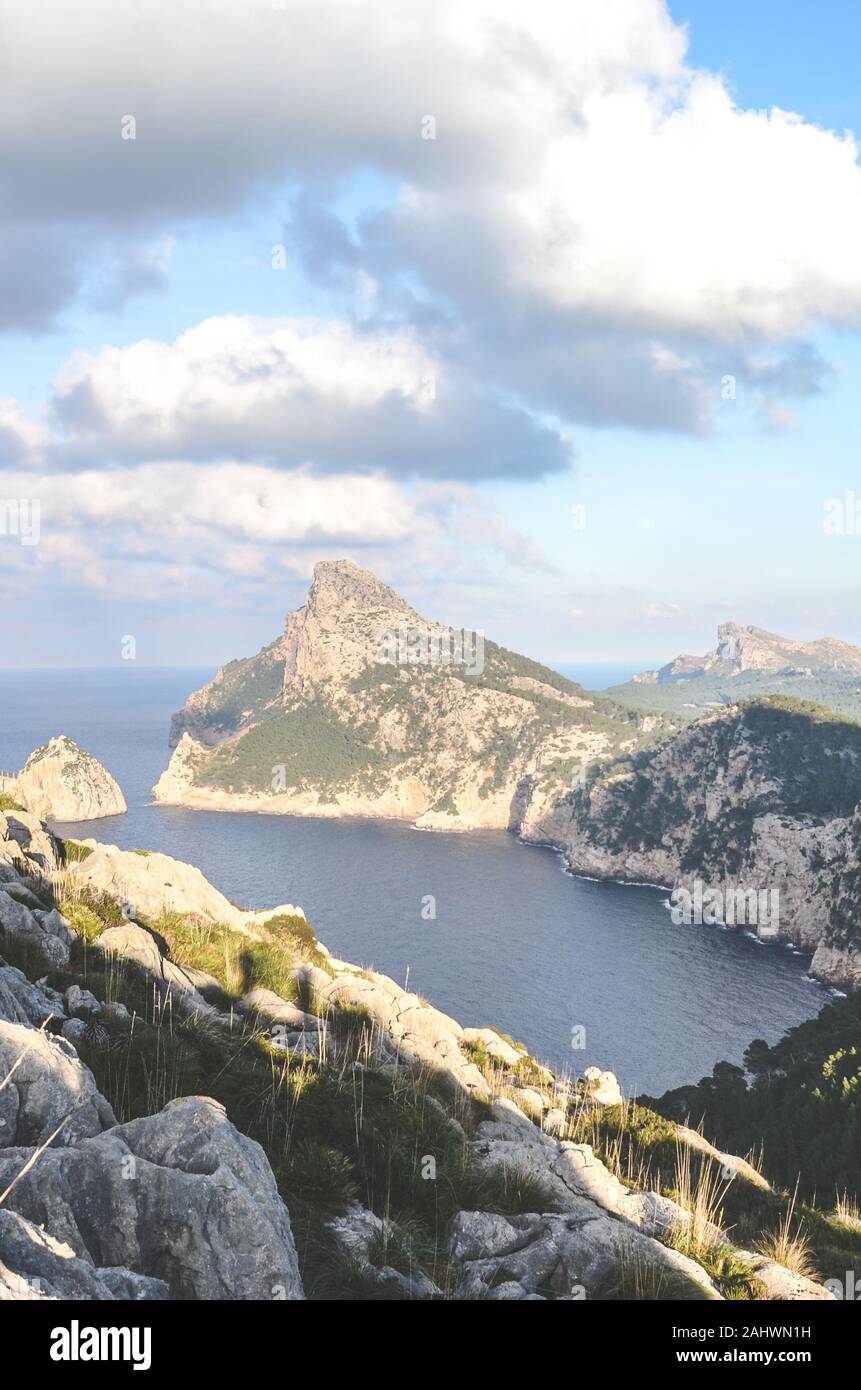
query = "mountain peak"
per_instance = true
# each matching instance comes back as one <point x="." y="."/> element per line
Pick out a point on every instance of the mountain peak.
<point x="340" y="585"/>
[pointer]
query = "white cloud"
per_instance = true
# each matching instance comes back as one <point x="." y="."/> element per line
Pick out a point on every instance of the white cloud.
<point x="21" y="440"/>
<point x="255" y="523"/>
<point x="237" y="371"/>
<point x="294" y="391"/>
<point x="608" y="232"/>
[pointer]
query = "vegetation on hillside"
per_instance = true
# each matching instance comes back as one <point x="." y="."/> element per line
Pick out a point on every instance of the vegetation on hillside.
<point x="248" y="688"/>
<point x="308" y="741"/>
<point x="798" y="1102"/>
<point x="798" y="758"/>
<point x="323" y="747"/>
<point x="692" y="697"/>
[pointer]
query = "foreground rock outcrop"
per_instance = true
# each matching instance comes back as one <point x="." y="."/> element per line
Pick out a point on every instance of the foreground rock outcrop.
<point x="180" y="1196"/>
<point x="573" y="1256"/>
<point x="33" y="1266"/>
<point x="60" y="780"/>
<point x="179" y="1203"/>
<point x="148" y="884"/>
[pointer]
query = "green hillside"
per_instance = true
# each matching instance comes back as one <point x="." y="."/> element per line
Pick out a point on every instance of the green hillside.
<point x="690" y="698"/>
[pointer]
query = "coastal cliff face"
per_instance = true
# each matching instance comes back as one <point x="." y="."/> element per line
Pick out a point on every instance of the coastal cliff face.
<point x="365" y="708"/>
<point x="194" y="1108"/>
<point x="60" y="780"/>
<point x="759" y="798"/>
<point x="755" y="798"/>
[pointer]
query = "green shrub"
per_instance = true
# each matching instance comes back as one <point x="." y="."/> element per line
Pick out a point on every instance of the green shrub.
<point x="74" y="852"/>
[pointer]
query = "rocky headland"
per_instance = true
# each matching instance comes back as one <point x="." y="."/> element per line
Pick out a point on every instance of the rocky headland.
<point x="360" y="708"/>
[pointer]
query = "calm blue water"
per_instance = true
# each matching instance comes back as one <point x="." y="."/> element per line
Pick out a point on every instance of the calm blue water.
<point x="599" y="675"/>
<point x="516" y="942"/>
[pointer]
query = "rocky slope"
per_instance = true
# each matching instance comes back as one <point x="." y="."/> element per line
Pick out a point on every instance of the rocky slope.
<point x="60" y="780"/>
<point x="361" y="1144"/>
<point x="749" y="661"/>
<point x="759" y="798"/>
<point x="363" y="707"/>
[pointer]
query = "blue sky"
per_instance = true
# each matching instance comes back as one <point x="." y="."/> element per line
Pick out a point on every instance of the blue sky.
<point x="494" y="366"/>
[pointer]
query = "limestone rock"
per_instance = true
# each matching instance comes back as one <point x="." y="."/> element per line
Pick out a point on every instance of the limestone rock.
<point x="81" y="1001"/>
<point x="567" y="1172"/>
<point x="134" y="944"/>
<point x="74" y="1030"/>
<point x="311" y="978"/>
<point x="603" y="1088"/>
<point x="23" y="1002"/>
<point x="46" y="930"/>
<point x="360" y="1234"/>
<point x="531" y="1102"/>
<point x="187" y="759"/>
<point x="581" y="1254"/>
<point x="731" y="1163"/>
<point x="778" y="1282"/>
<point x="346" y="650"/>
<point x="837" y="965"/>
<point x="180" y="1196"/>
<point x="494" y="1045"/>
<point x="417" y="1032"/>
<point x="60" y="780"/>
<point x="277" y="1010"/>
<point x="796" y="863"/>
<point x="151" y="884"/>
<point x="117" y="1011"/>
<point x="26" y="846"/>
<point x="35" y="1266"/>
<point x="46" y="1083"/>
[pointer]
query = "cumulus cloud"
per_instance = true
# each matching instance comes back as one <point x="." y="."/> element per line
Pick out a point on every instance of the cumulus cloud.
<point x="21" y="440"/>
<point x="602" y="232"/>
<point x="329" y="394"/>
<point x="255" y="523"/>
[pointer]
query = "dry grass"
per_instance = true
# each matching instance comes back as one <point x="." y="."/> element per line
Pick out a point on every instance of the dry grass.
<point x="847" y="1212"/>
<point x="700" y="1188"/>
<point x="787" y="1244"/>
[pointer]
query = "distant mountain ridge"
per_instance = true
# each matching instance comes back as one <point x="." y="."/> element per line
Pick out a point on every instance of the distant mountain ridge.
<point x="748" y="662"/>
<point x="753" y="649"/>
